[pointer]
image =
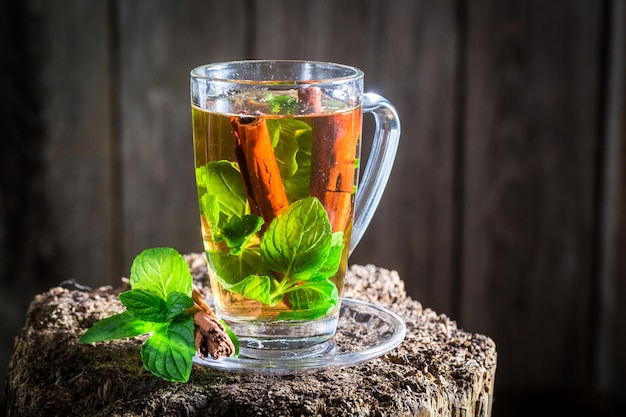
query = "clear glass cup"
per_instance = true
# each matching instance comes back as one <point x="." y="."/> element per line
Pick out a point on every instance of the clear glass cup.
<point x="277" y="157"/>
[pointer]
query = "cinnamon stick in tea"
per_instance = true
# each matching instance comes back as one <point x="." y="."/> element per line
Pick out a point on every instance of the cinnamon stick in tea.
<point x="333" y="171"/>
<point x="310" y="99"/>
<point x="258" y="166"/>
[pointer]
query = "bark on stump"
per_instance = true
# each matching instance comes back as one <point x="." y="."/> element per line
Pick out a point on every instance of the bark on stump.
<point x="439" y="370"/>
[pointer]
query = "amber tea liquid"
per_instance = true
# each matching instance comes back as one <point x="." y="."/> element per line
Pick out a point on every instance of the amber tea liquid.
<point x="276" y="197"/>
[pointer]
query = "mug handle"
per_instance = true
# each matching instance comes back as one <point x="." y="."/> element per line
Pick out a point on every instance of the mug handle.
<point x="379" y="163"/>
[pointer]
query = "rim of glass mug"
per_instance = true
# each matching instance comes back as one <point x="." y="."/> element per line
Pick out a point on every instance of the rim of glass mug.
<point x="273" y="72"/>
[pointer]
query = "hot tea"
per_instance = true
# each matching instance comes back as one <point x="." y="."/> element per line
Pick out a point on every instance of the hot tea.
<point x="277" y="148"/>
<point x="276" y="195"/>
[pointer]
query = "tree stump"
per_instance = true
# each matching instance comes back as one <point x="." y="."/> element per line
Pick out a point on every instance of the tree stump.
<point x="438" y="370"/>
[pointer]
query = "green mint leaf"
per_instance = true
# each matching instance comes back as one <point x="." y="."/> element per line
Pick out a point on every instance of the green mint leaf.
<point x="313" y="296"/>
<point x="145" y="305"/>
<point x="273" y="128"/>
<point x="238" y="231"/>
<point x="297" y="186"/>
<point x="210" y="209"/>
<point x="202" y="179"/>
<point x="283" y="104"/>
<point x="317" y="295"/>
<point x="119" y="326"/>
<point x="333" y="260"/>
<point x="224" y="204"/>
<point x="293" y="154"/>
<point x="243" y="274"/>
<point x="169" y="352"/>
<point x="285" y="148"/>
<point x="233" y="338"/>
<point x="161" y="270"/>
<point x="224" y="181"/>
<point x="177" y="303"/>
<point x="230" y="268"/>
<point x="255" y="287"/>
<point x="297" y="241"/>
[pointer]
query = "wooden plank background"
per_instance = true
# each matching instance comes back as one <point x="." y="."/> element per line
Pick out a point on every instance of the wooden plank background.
<point x="505" y="209"/>
<point x="531" y="153"/>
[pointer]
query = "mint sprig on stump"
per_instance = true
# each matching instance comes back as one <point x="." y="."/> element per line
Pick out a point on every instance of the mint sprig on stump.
<point x="163" y="303"/>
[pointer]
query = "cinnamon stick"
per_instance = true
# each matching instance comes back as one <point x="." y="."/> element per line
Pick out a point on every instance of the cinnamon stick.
<point x="334" y="149"/>
<point x="211" y="338"/>
<point x="196" y="296"/>
<point x="258" y="166"/>
<point x="310" y="100"/>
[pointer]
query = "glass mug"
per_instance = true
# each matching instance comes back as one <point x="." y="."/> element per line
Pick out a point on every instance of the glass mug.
<point x="277" y="156"/>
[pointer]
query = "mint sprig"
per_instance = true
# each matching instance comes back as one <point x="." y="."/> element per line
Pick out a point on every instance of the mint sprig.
<point x="299" y="245"/>
<point x="160" y="294"/>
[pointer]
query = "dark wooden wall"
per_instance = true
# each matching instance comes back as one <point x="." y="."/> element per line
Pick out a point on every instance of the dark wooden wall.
<point x="506" y="209"/>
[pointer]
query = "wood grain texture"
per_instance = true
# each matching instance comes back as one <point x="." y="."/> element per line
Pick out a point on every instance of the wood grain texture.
<point x="531" y="144"/>
<point x="158" y="191"/>
<point x="79" y="149"/>
<point x="408" y="54"/>
<point x="27" y="241"/>
<point x="611" y="332"/>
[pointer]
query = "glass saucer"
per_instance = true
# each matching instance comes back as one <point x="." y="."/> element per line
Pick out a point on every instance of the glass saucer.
<point x="364" y="331"/>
